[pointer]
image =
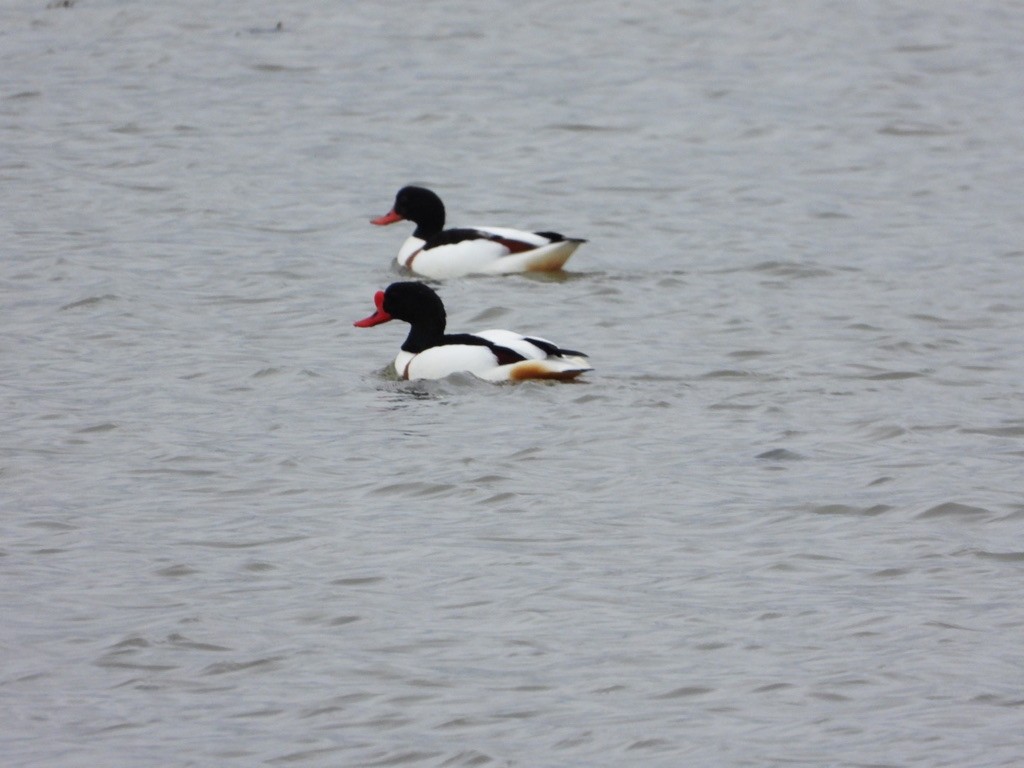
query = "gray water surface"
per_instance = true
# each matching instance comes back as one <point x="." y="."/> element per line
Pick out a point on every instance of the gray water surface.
<point x="779" y="524"/>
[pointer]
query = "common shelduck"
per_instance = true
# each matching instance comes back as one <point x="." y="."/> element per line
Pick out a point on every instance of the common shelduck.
<point x="436" y="252"/>
<point x="430" y="353"/>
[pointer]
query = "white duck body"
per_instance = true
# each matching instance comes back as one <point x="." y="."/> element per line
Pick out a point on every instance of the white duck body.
<point x="486" y="256"/>
<point x="439" y="253"/>
<point x="441" y="361"/>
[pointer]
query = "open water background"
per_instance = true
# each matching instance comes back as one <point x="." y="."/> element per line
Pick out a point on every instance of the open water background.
<point x="780" y="524"/>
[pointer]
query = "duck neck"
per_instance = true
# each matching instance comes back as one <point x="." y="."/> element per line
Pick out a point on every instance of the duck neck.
<point x="429" y="220"/>
<point x="424" y="334"/>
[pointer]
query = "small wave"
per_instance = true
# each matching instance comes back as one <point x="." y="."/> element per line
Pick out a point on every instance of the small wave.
<point x="914" y="129"/>
<point x="243" y="544"/>
<point x="780" y="454"/>
<point x="181" y="641"/>
<point x="655" y="744"/>
<point x="844" y="509"/>
<point x="727" y="373"/>
<point x="1017" y="431"/>
<point x="416" y="489"/>
<point x="746" y="354"/>
<point x="1001" y="557"/>
<point x="587" y="127"/>
<point x="1012" y="702"/>
<point x="790" y="269"/>
<point x="893" y="376"/>
<point x="281" y="68"/>
<point x="106" y="426"/>
<point x="685" y="691"/>
<point x="954" y="509"/>
<point x="89" y="301"/>
<point x="889" y="573"/>
<point x="176" y="571"/>
<point x="228" y="667"/>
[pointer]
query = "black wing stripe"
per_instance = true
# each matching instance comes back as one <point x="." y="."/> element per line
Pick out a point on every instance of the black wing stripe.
<point x="505" y="355"/>
<point x="452" y="237"/>
<point x="552" y="349"/>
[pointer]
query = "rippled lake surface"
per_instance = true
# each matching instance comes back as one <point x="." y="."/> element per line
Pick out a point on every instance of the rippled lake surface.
<point x="782" y="522"/>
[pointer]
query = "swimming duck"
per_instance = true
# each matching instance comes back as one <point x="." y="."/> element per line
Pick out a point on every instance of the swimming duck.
<point x="495" y="355"/>
<point x="436" y="252"/>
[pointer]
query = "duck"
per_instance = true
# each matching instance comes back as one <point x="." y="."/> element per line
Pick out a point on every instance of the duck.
<point x="438" y="253"/>
<point x="494" y="355"/>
